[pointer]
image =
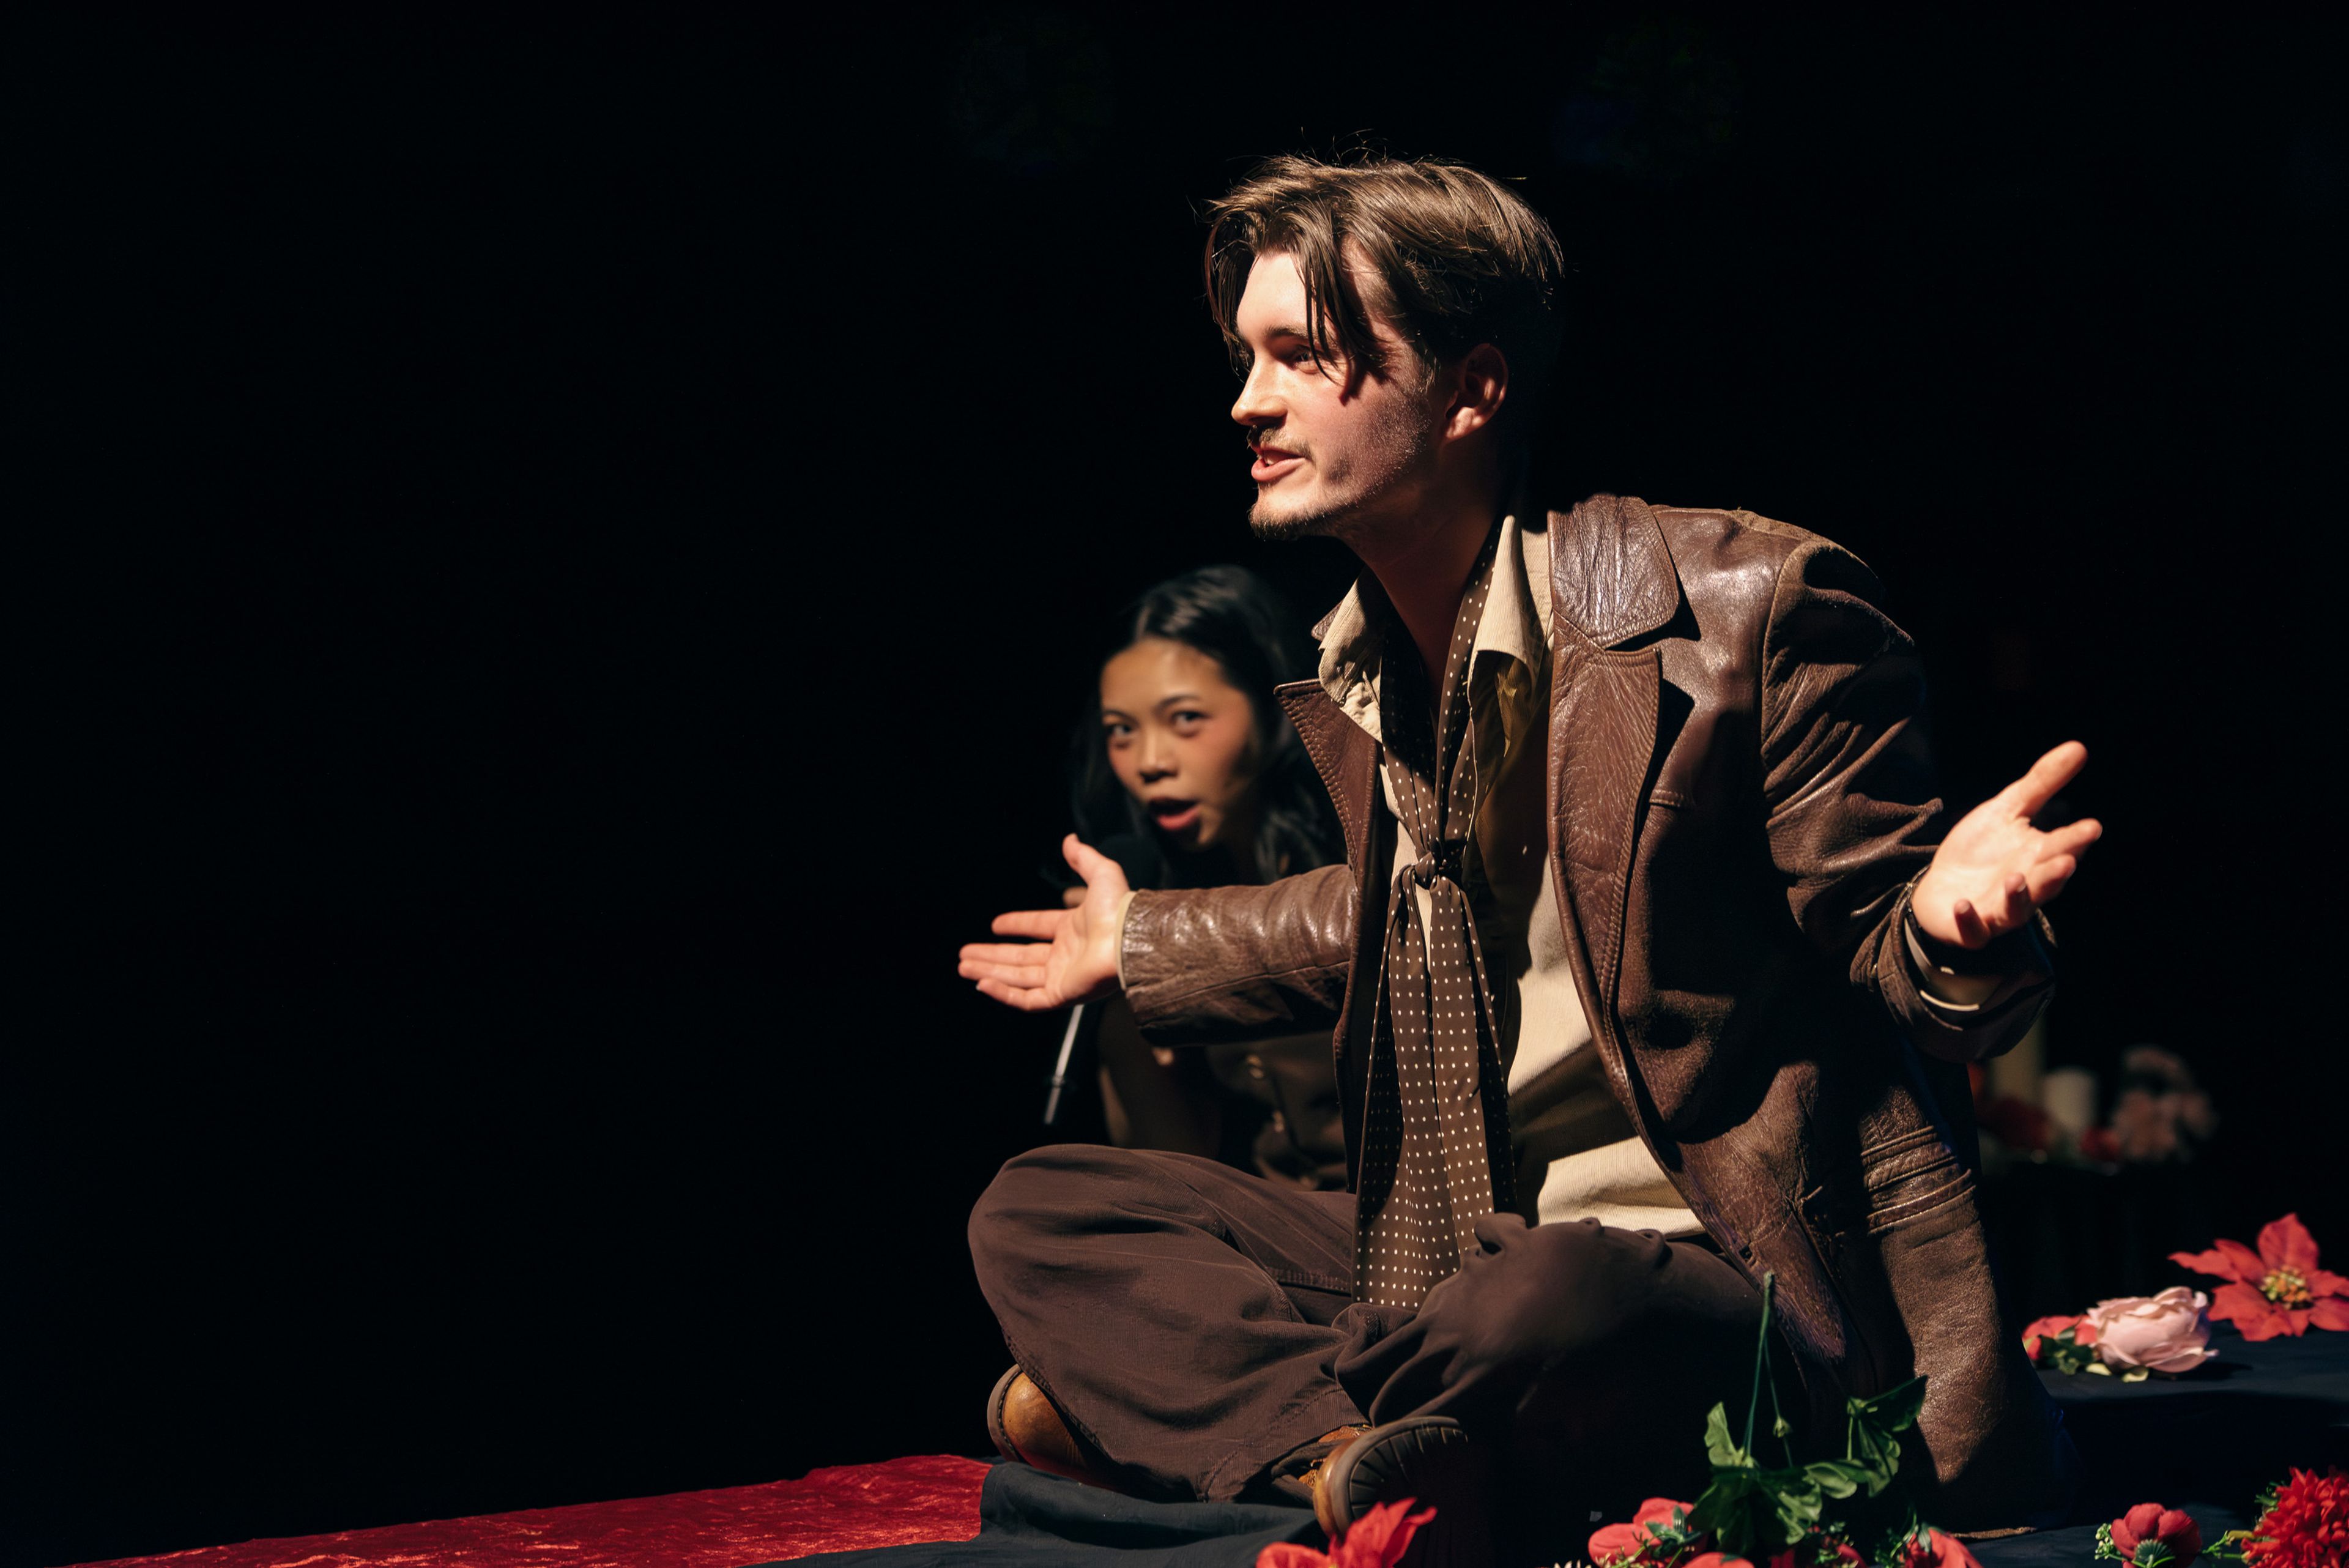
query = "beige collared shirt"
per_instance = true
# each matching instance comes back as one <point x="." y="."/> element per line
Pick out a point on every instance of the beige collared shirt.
<point x="1578" y="1156"/>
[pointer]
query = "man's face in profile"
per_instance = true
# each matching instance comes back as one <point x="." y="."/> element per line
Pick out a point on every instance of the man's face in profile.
<point x="1333" y="450"/>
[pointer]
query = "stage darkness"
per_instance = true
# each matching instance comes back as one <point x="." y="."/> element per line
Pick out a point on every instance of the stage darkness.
<point x="563" y="555"/>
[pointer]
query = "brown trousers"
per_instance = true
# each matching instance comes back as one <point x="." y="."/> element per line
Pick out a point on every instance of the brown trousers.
<point x="1196" y="1325"/>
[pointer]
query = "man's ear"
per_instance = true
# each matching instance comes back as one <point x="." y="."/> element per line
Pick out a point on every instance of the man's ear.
<point x="1479" y="386"/>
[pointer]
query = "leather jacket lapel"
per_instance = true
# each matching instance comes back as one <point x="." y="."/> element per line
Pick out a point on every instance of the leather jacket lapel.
<point x="1348" y="760"/>
<point x="1611" y="580"/>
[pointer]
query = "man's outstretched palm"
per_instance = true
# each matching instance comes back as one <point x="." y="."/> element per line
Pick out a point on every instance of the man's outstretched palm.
<point x="1073" y="957"/>
<point x="1994" y="868"/>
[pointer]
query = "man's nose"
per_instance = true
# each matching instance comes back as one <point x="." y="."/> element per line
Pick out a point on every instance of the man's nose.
<point x="1256" y="405"/>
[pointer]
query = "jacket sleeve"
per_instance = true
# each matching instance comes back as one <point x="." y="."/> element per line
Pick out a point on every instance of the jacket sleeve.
<point x="1230" y="964"/>
<point x="1854" y="814"/>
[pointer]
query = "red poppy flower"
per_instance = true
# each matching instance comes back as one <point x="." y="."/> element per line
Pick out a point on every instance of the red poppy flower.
<point x="2307" y="1526"/>
<point x="1377" y="1540"/>
<point x="2179" y="1536"/>
<point x="2277" y="1289"/>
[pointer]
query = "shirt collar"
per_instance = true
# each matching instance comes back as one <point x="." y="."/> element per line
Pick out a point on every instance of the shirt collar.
<point x="1510" y="627"/>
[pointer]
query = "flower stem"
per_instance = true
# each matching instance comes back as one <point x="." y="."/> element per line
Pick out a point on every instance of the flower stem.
<point x="1760" y="1360"/>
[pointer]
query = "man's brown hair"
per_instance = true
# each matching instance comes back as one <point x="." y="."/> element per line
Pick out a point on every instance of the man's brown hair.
<point x="1459" y="257"/>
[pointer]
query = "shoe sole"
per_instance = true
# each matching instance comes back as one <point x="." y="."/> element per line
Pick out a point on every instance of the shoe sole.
<point x="1430" y="1461"/>
<point x="994" y="1399"/>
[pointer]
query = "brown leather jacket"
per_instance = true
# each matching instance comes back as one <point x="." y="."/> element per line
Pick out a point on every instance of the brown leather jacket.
<point x="1740" y="797"/>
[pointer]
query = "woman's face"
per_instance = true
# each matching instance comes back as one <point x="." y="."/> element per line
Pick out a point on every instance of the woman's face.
<point x="1182" y="742"/>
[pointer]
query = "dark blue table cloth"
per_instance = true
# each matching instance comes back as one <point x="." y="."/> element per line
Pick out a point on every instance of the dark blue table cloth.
<point x="2206" y="1443"/>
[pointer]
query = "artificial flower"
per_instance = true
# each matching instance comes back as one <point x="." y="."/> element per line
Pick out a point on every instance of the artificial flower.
<point x="2038" y="1328"/>
<point x="2277" y="1289"/>
<point x="1658" y="1533"/>
<point x="2061" y="1343"/>
<point x="2307" y="1525"/>
<point x="2161" y="1114"/>
<point x="2165" y="1334"/>
<point x="2018" y="1124"/>
<point x="1377" y="1540"/>
<point x="2151" y="1536"/>
<point x="1930" y="1548"/>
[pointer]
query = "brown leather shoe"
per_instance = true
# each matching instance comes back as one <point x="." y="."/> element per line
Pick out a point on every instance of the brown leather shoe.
<point x="1026" y="1427"/>
<point x="1429" y="1460"/>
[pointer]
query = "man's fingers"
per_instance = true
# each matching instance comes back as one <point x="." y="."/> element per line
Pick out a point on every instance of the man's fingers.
<point x="1971" y="932"/>
<point x="1090" y="863"/>
<point x="2073" y="840"/>
<point x="1014" y="972"/>
<point x="1014" y="996"/>
<point x="1003" y="952"/>
<point x="2047" y="877"/>
<point x="2016" y="908"/>
<point x="1041" y="923"/>
<point x="2031" y="791"/>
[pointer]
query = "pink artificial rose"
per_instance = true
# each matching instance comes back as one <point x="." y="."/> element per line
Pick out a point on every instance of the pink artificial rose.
<point x="2165" y="1334"/>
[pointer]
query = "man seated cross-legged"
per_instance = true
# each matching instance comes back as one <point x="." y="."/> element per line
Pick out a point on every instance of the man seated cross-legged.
<point x="1651" y="969"/>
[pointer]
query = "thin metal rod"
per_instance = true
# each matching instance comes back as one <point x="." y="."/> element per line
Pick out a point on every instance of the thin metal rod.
<point x="1060" y="1067"/>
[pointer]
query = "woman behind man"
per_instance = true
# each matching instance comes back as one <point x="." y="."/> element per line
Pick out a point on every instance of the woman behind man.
<point x="1189" y="753"/>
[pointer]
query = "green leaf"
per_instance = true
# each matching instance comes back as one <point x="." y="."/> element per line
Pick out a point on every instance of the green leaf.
<point x="1841" y="1477"/>
<point x="2153" y="1554"/>
<point x="1894" y="1410"/>
<point x="1799" y="1501"/>
<point x="1738" y="1512"/>
<point x="1873" y="1422"/>
<point x="2064" y="1352"/>
<point x="1718" y="1444"/>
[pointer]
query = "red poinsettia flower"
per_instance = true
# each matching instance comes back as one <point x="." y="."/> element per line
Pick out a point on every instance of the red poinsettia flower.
<point x="2307" y="1526"/>
<point x="2277" y="1289"/>
<point x="1377" y="1540"/>
<point x="1657" y="1534"/>
<point x="2179" y="1537"/>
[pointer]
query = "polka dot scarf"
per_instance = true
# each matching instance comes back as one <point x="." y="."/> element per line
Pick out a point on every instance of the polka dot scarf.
<point x="1438" y="1106"/>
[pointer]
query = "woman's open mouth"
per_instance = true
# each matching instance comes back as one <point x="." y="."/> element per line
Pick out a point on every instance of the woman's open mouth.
<point x="1174" y="815"/>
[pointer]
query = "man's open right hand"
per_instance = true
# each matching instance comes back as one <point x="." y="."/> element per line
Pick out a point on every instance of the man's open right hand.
<point x="1073" y="954"/>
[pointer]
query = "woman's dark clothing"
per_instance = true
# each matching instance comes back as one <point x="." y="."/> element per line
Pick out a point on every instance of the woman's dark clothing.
<point x="1269" y="1105"/>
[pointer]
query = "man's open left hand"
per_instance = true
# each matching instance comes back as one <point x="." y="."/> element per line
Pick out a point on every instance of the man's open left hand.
<point x="1994" y="868"/>
<point x="1072" y="953"/>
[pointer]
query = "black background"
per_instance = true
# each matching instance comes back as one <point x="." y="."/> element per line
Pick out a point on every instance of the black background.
<point x="559" y="553"/>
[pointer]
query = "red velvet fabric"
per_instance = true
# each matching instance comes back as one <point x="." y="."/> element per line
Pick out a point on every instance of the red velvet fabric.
<point x="926" y="1497"/>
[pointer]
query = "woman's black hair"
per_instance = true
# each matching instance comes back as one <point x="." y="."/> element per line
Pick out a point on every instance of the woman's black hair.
<point x="1237" y="619"/>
